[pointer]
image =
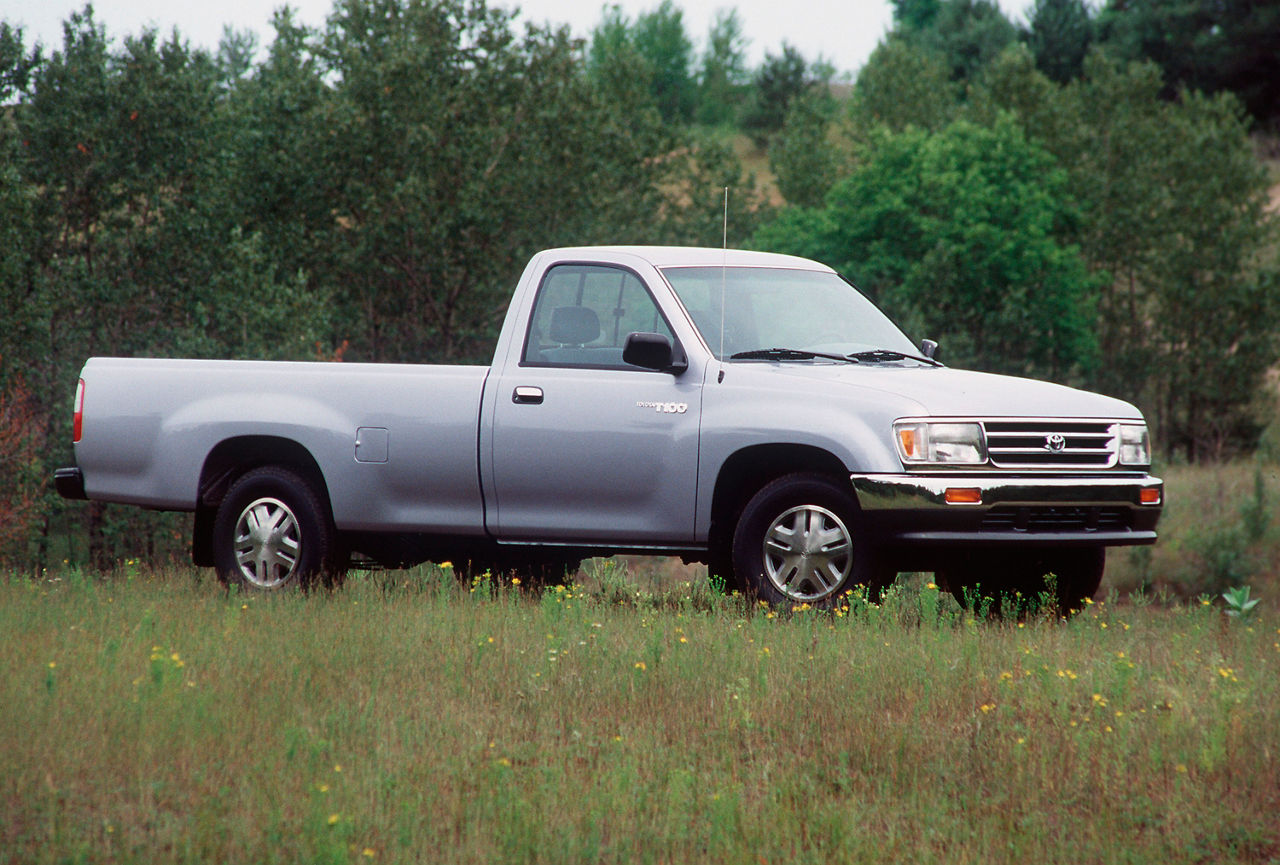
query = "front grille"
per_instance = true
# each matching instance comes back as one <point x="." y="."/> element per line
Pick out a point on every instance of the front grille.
<point x="1045" y="518"/>
<point x="1052" y="444"/>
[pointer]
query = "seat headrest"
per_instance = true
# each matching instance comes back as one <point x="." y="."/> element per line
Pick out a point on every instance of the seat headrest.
<point x="574" y="325"/>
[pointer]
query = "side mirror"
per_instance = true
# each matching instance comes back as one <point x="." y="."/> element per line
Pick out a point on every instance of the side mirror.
<point x="929" y="349"/>
<point x="653" y="351"/>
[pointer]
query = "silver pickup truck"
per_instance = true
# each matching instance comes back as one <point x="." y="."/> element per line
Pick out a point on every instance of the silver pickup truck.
<point x="748" y="410"/>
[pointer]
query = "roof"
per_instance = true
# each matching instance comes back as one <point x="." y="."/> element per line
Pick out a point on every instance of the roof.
<point x="692" y="256"/>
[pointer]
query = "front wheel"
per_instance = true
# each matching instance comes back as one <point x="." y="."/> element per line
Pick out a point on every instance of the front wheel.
<point x="800" y="541"/>
<point x="273" y="532"/>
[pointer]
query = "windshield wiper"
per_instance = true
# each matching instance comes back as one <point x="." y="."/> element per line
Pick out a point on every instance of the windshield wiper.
<point x="790" y="354"/>
<point x="877" y="355"/>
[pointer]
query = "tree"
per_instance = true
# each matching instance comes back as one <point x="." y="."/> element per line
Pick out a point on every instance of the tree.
<point x="1176" y="217"/>
<point x="280" y="179"/>
<point x="779" y="80"/>
<point x="16" y="63"/>
<point x="903" y="84"/>
<point x="121" y="160"/>
<point x="235" y="53"/>
<point x="969" y="34"/>
<point x="647" y="62"/>
<point x="459" y="149"/>
<point x="723" y="77"/>
<point x="1207" y="45"/>
<point x="661" y="40"/>
<point x="696" y="217"/>
<point x="916" y="15"/>
<point x="802" y="157"/>
<point x="966" y="34"/>
<point x="953" y="233"/>
<point x="614" y="64"/>
<point x="1059" y="33"/>
<point x="1173" y="223"/>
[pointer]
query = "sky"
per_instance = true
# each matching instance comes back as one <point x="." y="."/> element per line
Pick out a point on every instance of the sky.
<point x="843" y="32"/>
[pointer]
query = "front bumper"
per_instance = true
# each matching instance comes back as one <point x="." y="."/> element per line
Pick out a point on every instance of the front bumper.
<point x="913" y="510"/>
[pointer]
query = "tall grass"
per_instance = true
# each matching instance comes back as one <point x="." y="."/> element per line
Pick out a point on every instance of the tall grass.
<point x="1218" y="529"/>
<point x="155" y="718"/>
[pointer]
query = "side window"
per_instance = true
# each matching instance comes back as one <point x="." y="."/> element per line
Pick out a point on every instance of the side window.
<point x="583" y="314"/>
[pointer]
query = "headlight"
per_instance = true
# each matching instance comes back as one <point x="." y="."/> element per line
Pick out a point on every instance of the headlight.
<point x="1135" y="444"/>
<point x="923" y="442"/>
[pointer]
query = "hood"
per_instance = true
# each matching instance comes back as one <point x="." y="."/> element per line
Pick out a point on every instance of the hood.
<point x="945" y="392"/>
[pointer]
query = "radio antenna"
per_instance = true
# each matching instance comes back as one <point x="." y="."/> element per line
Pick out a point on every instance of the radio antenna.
<point x="724" y="244"/>
<point x="724" y="266"/>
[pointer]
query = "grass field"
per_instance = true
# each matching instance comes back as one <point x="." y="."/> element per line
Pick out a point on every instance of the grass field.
<point x="150" y="717"/>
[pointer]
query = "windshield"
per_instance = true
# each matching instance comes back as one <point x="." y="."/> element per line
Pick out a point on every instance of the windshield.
<point x="768" y="308"/>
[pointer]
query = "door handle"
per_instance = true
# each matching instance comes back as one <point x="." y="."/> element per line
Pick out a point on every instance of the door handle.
<point x="525" y="395"/>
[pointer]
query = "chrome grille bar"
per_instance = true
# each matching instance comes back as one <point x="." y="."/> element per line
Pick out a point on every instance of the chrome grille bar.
<point x="1052" y="443"/>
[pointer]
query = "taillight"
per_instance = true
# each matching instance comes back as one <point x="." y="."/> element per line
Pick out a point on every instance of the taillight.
<point x="77" y="421"/>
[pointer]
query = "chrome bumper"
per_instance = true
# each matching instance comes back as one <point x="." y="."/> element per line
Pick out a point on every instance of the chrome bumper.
<point x="1095" y="510"/>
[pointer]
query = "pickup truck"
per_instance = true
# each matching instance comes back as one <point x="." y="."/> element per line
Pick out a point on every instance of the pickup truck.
<point x="748" y="410"/>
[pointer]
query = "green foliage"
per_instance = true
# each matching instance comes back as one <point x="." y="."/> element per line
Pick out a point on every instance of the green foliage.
<point x="614" y="64"/>
<point x="660" y="39"/>
<point x="16" y="63"/>
<point x="804" y="161"/>
<point x="382" y="182"/>
<point x="903" y="84"/>
<point x="954" y="234"/>
<point x="723" y="79"/>
<point x="1206" y="45"/>
<point x="448" y="138"/>
<point x="779" y="80"/>
<point x="967" y="34"/>
<point x="1255" y="513"/>
<point x="704" y="170"/>
<point x="1224" y="557"/>
<point x="1173" y="223"/>
<point x="1239" y="606"/>
<point x="1175" y="216"/>
<point x="916" y="14"/>
<point x="654" y="55"/>
<point x="1059" y="33"/>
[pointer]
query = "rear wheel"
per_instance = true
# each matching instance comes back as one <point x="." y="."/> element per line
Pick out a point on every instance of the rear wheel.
<point x="273" y="532"/>
<point x="799" y="540"/>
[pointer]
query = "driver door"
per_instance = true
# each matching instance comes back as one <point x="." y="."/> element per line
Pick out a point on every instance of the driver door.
<point x="586" y="448"/>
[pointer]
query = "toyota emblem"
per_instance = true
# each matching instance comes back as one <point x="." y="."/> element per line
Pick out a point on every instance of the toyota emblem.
<point x="1055" y="443"/>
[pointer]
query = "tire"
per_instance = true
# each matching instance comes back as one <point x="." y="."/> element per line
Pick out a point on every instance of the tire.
<point x="996" y="582"/>
<point x="799" y="540"/>
<point x="273" y="532"/>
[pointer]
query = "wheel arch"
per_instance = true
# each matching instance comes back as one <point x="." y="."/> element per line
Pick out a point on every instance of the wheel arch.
<point x="232" y="458"/>
<point x="747" y="471"/>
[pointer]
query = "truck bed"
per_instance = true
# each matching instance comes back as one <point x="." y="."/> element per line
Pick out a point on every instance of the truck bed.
<point x="414" y="467"/>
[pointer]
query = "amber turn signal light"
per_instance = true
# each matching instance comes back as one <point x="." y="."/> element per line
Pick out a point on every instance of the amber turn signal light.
<point x="963" y="496"/>
<point x="1149" y="496"/>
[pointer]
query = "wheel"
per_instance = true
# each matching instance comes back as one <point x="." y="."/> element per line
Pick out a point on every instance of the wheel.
<point x="1067" y="577"/>
<point x="799" y="541"/>
<point x="273" y="531"/>
<point x="1078" y="575"/>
